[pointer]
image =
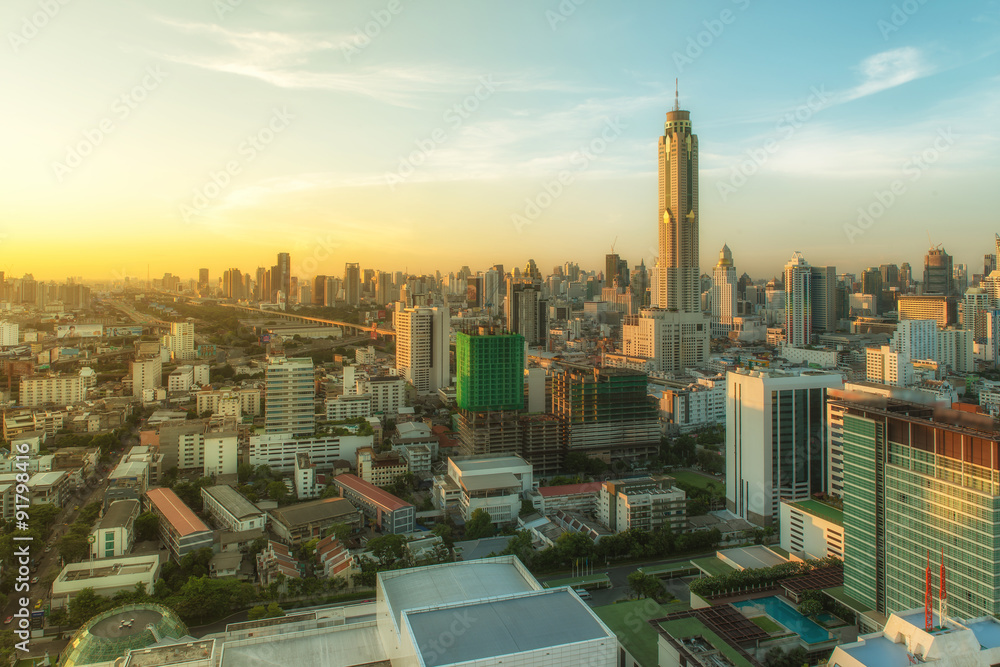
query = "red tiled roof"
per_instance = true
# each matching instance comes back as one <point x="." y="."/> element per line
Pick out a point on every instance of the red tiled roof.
<point x="370" y="491"/>
<point x="569" y="489"/>
<point x="176" y="512"/>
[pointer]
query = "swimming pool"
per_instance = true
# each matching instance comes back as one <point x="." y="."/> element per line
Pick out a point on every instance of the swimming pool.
<point x="789" y="617"/>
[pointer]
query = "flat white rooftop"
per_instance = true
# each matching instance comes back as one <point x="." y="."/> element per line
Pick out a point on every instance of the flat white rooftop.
<point x="502" y="627"/>
<point x="438" y="585"/>
<point x="356" y="644"/>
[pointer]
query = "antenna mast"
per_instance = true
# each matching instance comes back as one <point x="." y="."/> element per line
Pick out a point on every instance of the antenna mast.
<point x="677" y="97"/>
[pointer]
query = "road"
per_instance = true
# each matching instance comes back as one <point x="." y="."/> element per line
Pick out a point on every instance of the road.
<point x="89" y="492"/>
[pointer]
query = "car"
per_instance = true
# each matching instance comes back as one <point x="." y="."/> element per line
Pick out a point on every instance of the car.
<point x="34" y="580"/>
<point x="7" y="620"/>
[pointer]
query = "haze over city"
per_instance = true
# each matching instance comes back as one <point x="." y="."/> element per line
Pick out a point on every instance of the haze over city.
<point x="416" y="137"/>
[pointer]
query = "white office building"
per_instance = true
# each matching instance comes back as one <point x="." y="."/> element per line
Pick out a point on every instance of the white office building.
<point x="798" y="301"/>
<point x="9" y="334"/>
<point x="887" y="367"/>
<point x="775" y="439"/>
<point x="723" y="297"/>
<point x="278" y="450"/>
<point x="493" y="483"/>
<point x="289" y="394"/>
<point x="180" y="341"/>
<point x="37" y="391"/>
<point x="147" y="374"/>
<point x="423" y="336"/>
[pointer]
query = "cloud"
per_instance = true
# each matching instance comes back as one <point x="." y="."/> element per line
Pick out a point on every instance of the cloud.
<point x="886" y="70"/>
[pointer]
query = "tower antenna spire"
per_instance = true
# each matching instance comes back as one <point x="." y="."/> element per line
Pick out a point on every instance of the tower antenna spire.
<point x="677" y="97"/>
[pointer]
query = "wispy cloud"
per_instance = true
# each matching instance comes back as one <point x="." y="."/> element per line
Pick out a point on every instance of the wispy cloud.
<point x="886" y="70"/>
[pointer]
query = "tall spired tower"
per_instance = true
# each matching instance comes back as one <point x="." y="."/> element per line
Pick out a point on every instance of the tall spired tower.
<point x="679" y="286"/>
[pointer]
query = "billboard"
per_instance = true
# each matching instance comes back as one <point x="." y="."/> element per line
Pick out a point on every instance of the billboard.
<point x="125" y="331"/>
<point x="79" y="331"/>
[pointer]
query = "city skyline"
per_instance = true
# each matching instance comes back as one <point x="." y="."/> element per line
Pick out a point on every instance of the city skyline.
<point x="302" y="134"/>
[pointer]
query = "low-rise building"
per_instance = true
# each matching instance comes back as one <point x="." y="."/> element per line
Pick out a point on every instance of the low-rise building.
<point x="49" y="487"/>
<point x="812" y="529"/>
<point x="380" y="469"/>
<point x="276" y="559"/>
<point x="231" y="510"/>
<point x="131" y="474"/>
<point x="308" y="483"/>
<point x="38" y="390"/>
<point x="348" y="406"/>
<point x="647" y="503"/>
<point x="302" y="522"/>
<point x="567" y="497"/>
<point x="106" y="577"/>
<point x="334" y="558"/>
<point x="493" y="483"/>
<point x="388" y="512"/>
<point x="115" y="532"/>
<point x="278" y="450"/>
<point x="388" y="393"/>
<point x="181" y="531"/>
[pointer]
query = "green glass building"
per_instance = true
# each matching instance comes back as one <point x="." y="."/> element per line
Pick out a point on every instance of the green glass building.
<point x="921" y="481"/>
<point x="490" y="369"/>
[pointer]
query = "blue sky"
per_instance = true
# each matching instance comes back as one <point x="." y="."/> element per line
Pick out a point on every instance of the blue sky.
<point x="190" y="134"/>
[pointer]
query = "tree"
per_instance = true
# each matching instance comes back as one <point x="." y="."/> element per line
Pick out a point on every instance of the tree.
<point x="256" y="613"/>
<point x="810" y="607"/>
<point x="340" y="531"/>
<point x="277" y="491"/>
<point x="645" y="585"/>
<point x="388" y="549"/>
<point x="444" y="531"/>
<point x="73" y="547"/>
<point x="274" y="611"/>
<point x="244" y="471"/>
<point x="147" y="525"/>
<point x="480" y="525"/>
<point x="85" y="605"/>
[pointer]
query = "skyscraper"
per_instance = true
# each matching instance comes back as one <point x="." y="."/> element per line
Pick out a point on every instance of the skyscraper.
<point x="798" y="301"/>
<point x="352" y="284"/>
<point x="610" y="269"/>
<point x="920" y="479"/>
<point x="938" y="272"/>
<point x="823" y="284"/>
<point x="284" y="277"/>
<point x="674" y="334"/>
<point x="679" y="273"/>
<point x="775" y="440"/>
<point x="203" y="282"/>
<point x="724" y="289"/>
<point x="527" y="312"/>
<point x="319" y="290"/>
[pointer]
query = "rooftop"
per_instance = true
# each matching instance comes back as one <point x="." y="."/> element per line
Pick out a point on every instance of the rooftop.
<point x="569" y="489"/>
<point x="232" y="500"/>
<point x="512" y="625"/>
<point x="118" y="514"/>
<point x="684" y="630"/>
<point x="821" y="510"/>
<point x="436" y="585"/>
<point x="751" y="558"/>
<point x="622" y="618"/>
<point x="370" y="491"/>
<point x="315" y="510"/>
<point x="499" y="480"/>
<point x="481" y="464"/>
<point x="356" y="644"/>
<point x="170" y="654"/>
<point x="180" y="516"/>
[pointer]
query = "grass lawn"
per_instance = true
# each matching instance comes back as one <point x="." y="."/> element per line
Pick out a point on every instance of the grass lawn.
<point x="694" y="479"/>
<point x="712" y="566"/>
<point x="766" y="624"/>
<point x="628" y="621"/>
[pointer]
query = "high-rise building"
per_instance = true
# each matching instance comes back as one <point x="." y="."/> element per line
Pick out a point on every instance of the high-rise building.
<point x="938" y="272"/>
<point x="989" y="264"/>
<point x="920" y="480"/>
<point x="943" y="309"/>
<point x="611" y="271"/>
<point x="678" y="218"/>
<point x="606" y="413"/>
<point x="383" y="288"/>
<point x="527" y="312"/>
<point x="423" y="336"/>
<point x="905" y="277"/>
<point x="974" y="307"/>
<point x="492" y="291"/>
<point x="352" y="284"/>
<point x="724" y="290"/>
<point x="284" y="276"/>
<point x="180" y="341"/>
<point x="9" y="334"/>
<point x="890" y="275"/>
<point x="289" y="396"/>
<point x="917" y="339"/>
<point x="775" y="440"/>
<point x="823" y="287"/>
<point x="203" y="281"/>
<point x="798" y="301"/>
<point x="489" y="371"/>
<point x="319" y="291"/>
<point x="147" y="373"/>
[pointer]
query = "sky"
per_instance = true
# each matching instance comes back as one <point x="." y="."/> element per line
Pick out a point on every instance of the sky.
<point x="164" y="137"/>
